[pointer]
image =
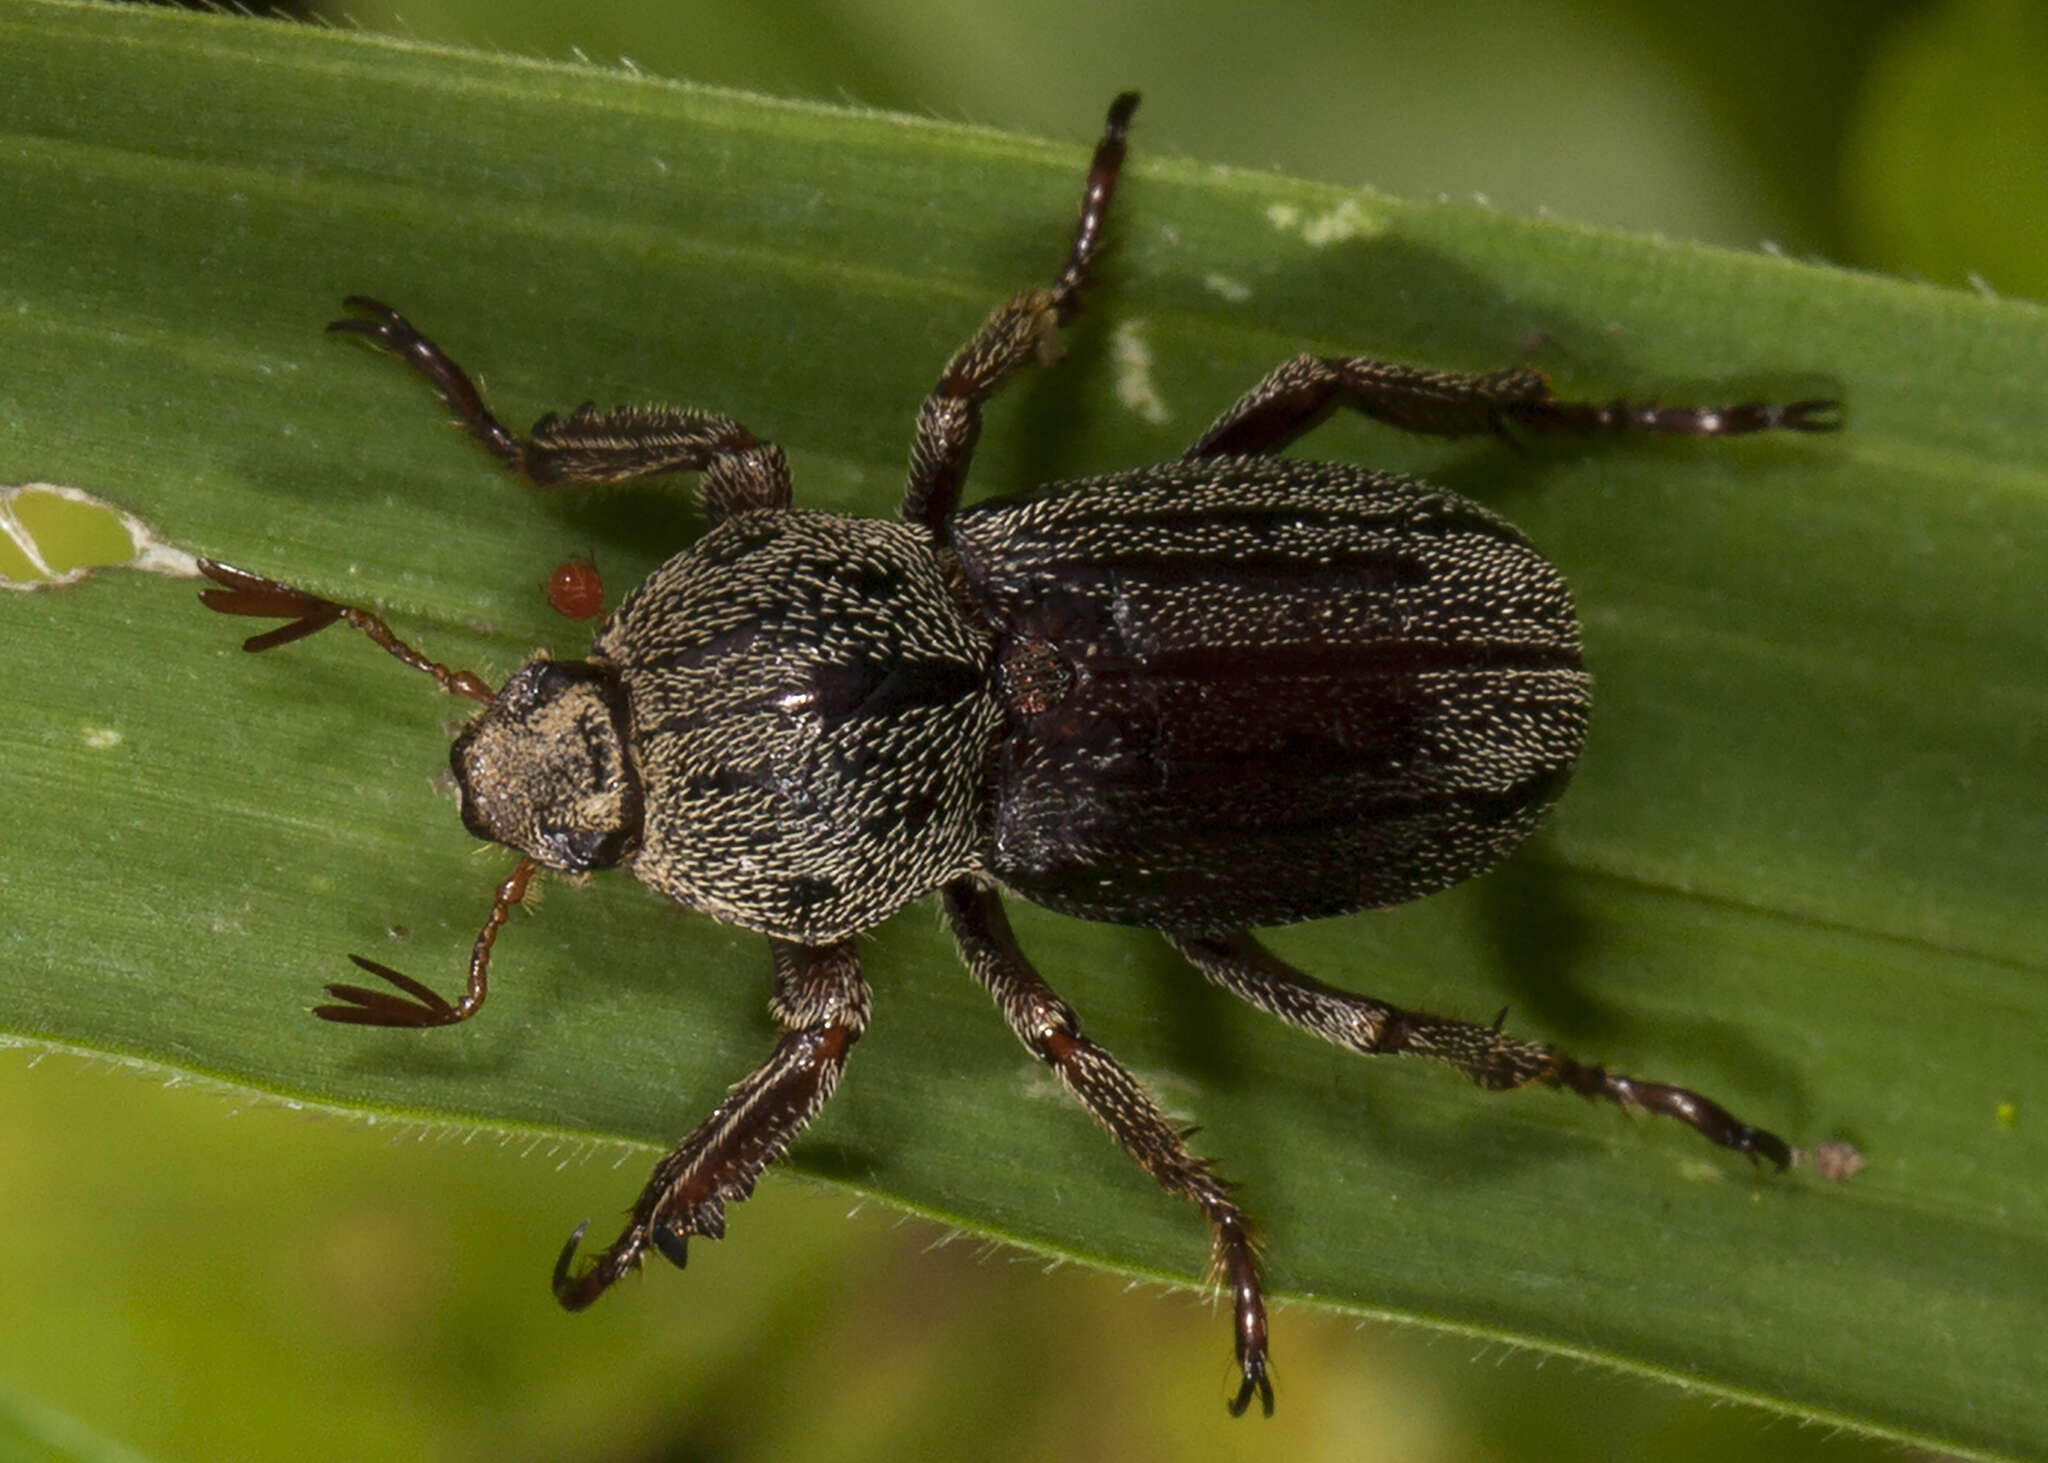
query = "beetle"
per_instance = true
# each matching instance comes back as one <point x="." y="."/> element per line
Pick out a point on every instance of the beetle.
<point x="1228" y="691"/>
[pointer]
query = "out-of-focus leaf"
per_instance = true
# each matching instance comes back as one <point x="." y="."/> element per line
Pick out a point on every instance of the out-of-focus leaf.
<point x="1947" y="164"/>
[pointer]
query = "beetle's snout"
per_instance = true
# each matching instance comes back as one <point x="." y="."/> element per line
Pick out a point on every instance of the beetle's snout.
<point x="545" y="768"/>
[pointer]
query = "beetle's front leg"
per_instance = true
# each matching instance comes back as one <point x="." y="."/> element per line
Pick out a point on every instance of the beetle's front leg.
<point x="821" y="1003"/>
<point x="591" y="446"/>
<point x="1493" y="1060"/>
<point x="1114" y="1098"/>
<point x="1023" y="328"/>
<point x="1299" y="395"/>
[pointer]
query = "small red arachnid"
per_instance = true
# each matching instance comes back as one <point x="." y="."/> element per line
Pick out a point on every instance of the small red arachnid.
<point x="576" y="589"/>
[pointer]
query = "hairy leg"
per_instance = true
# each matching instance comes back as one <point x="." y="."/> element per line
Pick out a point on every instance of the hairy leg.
<point x="1114" y="1098"/>
<point x="1301" y="394"/>
<point x="1493" y="1060"/>
<point x="592" y="446"/>
<point x="821" y="1003"/>
<point x="1023" y="328"/>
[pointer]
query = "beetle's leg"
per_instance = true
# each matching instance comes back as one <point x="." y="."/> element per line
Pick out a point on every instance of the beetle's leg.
<point x="592" y="446"/>
<point x="1023" y="328"/>
<point x="1492" y="1059"/>
<point x="1301" y="394"/>
<point x="821" y="1003"/>
<point x="1048" y="1028"/>
<point x="243" y="593"/>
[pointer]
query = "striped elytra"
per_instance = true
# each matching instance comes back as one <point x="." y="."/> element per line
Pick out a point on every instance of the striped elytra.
<point x="1290" y="690"/>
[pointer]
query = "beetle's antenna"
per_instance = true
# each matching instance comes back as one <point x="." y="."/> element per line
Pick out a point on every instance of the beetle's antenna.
<point x="243" y="593"/>
<point x="362" y="1006"/>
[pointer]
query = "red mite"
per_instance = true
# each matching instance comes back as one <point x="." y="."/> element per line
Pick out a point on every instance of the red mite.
<point x="576" y="589"/>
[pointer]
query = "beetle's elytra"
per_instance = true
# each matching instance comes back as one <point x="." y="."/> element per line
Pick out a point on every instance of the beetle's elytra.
<point x="1222" y="692"/>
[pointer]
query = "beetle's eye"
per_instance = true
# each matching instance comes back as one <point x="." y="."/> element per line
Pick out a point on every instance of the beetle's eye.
<point x="583" y="850"/>
<point x="552" y="677"/>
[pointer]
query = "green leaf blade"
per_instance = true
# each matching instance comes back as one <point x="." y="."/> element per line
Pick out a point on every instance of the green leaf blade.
<point x="1800" y="867"/>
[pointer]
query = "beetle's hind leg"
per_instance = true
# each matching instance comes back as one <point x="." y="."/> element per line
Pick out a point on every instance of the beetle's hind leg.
<point x="1299" y="395"/>
<point x="1494" y="1060"/>
<point x="1114" y="1098"/>
<point x="1023" y="328"/>
<point x="591" y="446"/>
<point x="821" y="1003"/>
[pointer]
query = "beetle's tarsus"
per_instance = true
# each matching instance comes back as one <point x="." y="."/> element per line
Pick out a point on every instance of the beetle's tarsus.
<point x="575" y="1292"/>
<point x="1255" y="1382"/>
<point x="1816" y="414"/>
<point x="1764" y="1147"/>
<point x="566" y="1284"/>
<point x="387" y="324"/>
<point x="1298" y="395"/>
<point x="1238" y="1266"/>
<point x="1103" y="169"/>
<point x="1702" y="1114"/>
<point x="391" y="330"/>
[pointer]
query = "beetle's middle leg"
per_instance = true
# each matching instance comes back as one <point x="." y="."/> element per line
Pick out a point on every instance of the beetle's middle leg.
<point x="591" y="446"/>
<point x="1494" y="1060"/>
<point x="1113" y="1097"/>
<point x="1302" y="393"/>
<point x="1023" y="328"/>
<point x="821" y="1003"/>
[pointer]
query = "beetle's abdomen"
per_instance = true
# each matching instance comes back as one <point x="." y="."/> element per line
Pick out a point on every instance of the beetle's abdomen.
<point x="1252" y="691"/>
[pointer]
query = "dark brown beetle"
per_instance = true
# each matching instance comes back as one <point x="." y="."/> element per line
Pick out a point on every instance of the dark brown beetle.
<point x="1223" y="692"/>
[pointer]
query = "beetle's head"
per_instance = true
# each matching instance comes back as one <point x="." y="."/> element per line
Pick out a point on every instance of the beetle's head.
<point x="545" y="768"/>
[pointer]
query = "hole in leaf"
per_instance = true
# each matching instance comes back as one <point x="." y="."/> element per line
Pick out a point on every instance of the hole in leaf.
<point x="51" y="534"/>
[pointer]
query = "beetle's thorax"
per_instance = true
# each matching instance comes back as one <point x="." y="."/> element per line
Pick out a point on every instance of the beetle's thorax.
<point x="811" y="722"/>
<point x="546" y="767"/>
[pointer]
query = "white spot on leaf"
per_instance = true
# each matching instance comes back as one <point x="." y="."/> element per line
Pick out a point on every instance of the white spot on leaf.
<point x="1134" y="386"/>
<point x="1347" y="222"/>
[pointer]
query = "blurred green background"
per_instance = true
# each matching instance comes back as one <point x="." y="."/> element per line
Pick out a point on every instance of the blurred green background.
<point x="1898" y="135"/>
<point x="388" y="1283"/>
